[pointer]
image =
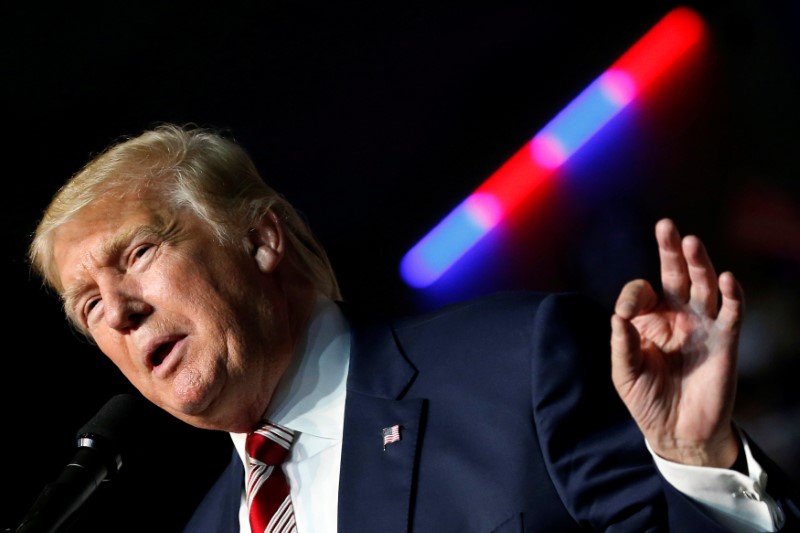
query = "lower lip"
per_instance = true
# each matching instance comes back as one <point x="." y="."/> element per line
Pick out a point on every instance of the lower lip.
<point x="170" y="362"/>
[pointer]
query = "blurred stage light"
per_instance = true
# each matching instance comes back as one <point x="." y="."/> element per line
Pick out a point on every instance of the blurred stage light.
<point x="552" y="146"/>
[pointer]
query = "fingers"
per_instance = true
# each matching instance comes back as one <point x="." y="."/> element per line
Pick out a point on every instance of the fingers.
<point x="674" y="271"/>
<point x="732" y="310"/>
<point x="687" y="274"/>
<point x="625" y="354"/>
<point x="704" y="291"/>
<point x="635" y="298"/>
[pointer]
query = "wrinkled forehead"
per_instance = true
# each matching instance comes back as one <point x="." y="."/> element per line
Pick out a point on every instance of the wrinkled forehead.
<point x="89" y="233"/>
<point x="107" y="214"/>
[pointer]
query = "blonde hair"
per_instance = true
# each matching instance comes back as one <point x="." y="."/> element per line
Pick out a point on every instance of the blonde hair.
<point x="192" y="168"/>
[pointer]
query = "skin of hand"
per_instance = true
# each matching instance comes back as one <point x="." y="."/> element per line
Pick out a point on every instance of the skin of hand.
<point x="674" y="357"/>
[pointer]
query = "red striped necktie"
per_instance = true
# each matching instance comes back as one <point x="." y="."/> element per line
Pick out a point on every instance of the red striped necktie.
<point x="267" y="489"/>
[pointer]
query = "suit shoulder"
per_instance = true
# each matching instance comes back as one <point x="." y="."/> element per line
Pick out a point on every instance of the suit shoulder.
<point x="502" y="307"/>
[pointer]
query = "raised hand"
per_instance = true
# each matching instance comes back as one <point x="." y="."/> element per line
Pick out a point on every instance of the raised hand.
<point x="674" y="357"/>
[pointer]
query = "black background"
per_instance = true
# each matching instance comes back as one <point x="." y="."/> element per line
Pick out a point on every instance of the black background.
<point x="375" y="122"/>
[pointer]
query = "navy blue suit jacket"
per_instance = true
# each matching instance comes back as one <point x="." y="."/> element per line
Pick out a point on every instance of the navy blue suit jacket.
<point x="508" y="422"/>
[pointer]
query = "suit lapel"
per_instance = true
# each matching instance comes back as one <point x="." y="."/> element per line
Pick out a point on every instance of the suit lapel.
<point x="376" y="485"/>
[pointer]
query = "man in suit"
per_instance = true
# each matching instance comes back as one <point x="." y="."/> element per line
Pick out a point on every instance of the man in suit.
<point x="211" y="295"/>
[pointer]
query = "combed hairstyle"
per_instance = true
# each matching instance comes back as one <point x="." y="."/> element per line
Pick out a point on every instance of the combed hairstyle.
<point x="192" y="168"/>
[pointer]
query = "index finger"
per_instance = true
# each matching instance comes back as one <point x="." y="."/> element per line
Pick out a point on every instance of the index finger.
<point x="674" y="270"/>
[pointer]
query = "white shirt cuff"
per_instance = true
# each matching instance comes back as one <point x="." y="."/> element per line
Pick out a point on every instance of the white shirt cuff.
<point x="737" y="501"/>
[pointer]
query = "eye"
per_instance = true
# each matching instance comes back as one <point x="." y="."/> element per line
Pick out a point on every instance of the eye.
<point x="141" y="252"/>
<point x="90" y="306"/>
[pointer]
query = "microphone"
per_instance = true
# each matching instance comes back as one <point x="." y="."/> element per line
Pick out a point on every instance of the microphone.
<point x="98" y="458"/>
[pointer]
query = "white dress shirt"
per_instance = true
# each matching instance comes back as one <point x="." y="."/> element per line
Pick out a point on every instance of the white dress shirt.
<point x="310" y="400"/>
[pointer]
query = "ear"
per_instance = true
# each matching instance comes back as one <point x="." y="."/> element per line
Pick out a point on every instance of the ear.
<point x="268" y="242"/>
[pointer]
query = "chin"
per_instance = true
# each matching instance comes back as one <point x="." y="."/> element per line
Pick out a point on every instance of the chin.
<point x="191" y="391"/>
<point x="193" y="412"/>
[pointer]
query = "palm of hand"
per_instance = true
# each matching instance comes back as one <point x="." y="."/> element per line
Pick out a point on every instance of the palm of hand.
<point x="683" y="389"/>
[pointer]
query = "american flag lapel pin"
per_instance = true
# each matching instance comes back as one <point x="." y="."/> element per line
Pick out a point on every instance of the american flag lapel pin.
<point x="390" y="435"/>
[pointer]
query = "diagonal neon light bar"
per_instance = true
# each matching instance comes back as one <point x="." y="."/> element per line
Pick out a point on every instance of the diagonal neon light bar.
<point x="550" y="148"/>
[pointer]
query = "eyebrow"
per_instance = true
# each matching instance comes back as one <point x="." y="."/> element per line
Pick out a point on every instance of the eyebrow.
<point x="110" y="249"/>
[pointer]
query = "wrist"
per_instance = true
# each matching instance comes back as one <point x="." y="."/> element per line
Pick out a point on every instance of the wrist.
<point x="722" y="452"/>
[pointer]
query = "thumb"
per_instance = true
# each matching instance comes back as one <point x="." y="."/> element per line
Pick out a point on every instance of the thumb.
<point x="626" y="354"/>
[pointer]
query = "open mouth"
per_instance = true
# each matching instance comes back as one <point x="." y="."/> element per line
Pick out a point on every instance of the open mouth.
<point x="161" y="353"/>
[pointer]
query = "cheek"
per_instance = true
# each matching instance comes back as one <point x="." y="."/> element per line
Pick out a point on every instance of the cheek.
<point x="200" y="280"/>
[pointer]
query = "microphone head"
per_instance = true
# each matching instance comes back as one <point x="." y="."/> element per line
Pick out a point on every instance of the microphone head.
<point x="116" y="419"/>
<point x="111" y="429"/>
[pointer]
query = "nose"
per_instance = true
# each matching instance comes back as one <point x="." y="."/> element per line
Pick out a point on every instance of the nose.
<point x="124" y="310"/>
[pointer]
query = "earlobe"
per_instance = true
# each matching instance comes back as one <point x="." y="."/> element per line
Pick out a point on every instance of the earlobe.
<point x="266" y="258"/>
<point x="267" y="239"/>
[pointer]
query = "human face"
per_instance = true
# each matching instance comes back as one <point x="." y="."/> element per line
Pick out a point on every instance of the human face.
<point x="199" y="328"/>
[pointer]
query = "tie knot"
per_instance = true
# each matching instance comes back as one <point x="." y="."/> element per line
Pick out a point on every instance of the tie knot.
<point x="269" y="443"/>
